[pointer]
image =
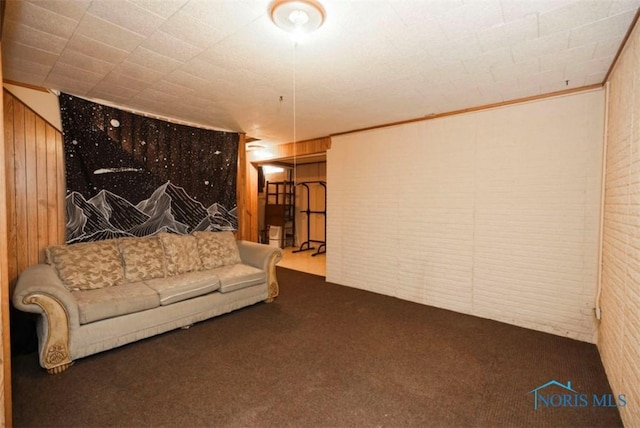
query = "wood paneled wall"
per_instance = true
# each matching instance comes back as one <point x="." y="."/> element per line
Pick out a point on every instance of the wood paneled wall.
<point x="5" y="339"/>
<point x="34" y="165"/>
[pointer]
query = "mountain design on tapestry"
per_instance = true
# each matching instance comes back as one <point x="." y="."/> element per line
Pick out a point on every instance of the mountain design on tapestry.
<point x="168" y="209"/>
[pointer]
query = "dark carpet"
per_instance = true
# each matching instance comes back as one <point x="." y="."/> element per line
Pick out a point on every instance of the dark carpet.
<point x="323" y="355"/>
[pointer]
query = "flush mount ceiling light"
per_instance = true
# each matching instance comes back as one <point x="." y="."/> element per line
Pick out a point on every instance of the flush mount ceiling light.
<point x="272" y="169"/>
<point x="297" y="16"/>
<point x="253" y="146"/>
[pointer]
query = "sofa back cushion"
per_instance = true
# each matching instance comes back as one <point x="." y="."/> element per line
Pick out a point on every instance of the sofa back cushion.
<point x="181" y="253"/>
<point x="87" y="266"/>
<point x="217" y="249"/>
<point x="143" y="258"/>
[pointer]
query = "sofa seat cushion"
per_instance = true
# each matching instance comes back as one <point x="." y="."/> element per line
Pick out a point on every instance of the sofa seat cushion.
<point x="103" y="303"/>
<point x="182" y="287"/>
<point x="238" y="276"/>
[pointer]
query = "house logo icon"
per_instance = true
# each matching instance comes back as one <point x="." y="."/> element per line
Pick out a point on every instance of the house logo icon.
<point x="537" y="394"/>
<point x="561" y="395"/>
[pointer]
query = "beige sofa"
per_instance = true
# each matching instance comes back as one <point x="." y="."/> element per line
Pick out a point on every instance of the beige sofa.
<point x="100" y="295"/>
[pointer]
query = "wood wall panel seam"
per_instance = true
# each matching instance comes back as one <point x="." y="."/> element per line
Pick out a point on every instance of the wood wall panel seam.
<point x="32" y="187"/>
<point x="20" y="202"/>
<point x="42" y="234"/>
<point x="52" y="188"/>
<point x="9" y="148"/>
<point x="61" y="186"/>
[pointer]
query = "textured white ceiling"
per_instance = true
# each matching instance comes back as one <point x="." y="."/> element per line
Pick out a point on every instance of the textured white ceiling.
<point x="223" y="64"/>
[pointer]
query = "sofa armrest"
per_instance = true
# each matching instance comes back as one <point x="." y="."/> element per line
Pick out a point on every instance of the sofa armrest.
<point x="39" y="290"/>
<point x="263" y="257"/>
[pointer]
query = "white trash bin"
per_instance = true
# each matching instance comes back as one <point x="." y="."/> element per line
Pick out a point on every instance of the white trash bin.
<point x="275" y="236"/>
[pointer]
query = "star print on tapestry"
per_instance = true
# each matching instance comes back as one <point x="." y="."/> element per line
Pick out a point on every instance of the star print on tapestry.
<point x="130" y="175"/>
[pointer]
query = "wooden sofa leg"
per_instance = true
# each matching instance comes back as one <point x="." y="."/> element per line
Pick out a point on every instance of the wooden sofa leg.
<point x="59" y="369"/>
<point x="54" y="354"/>
<point x="272" y="279"/>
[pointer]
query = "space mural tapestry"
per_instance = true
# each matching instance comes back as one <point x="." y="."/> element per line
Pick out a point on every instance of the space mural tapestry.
<point x="129" y="175"/>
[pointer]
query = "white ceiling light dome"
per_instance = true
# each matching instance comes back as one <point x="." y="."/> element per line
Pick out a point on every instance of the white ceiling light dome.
<point x="297" y="16"/>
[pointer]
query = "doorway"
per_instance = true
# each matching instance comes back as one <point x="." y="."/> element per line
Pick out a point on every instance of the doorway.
<point x="292" y="210"/>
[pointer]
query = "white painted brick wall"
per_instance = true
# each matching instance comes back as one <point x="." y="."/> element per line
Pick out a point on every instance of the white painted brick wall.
<point x="493" y="213"/>
<point x="619" y="333"/>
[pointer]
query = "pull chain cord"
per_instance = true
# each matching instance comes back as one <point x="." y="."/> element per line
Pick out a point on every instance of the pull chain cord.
<point x="295" y="166"/>
<point x="295" y="169"/>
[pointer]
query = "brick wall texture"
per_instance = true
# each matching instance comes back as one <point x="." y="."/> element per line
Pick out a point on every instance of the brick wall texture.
<point x="619" y="333"/>
<point x="494" y="213"/>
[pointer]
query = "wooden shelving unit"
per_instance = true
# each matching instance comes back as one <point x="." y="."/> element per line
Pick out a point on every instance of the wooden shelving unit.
<point x="280" y="209"/>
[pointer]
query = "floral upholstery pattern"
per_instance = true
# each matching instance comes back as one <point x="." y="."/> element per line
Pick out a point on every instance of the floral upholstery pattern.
<point x="217" y="249"/>
<point x="181" y="253"/>
<point x="143" y="259"/>
<point x="87" y="266"/>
